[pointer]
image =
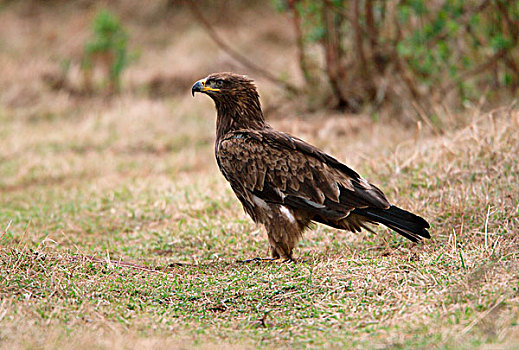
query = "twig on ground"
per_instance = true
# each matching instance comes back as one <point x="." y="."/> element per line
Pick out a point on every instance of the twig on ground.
<point x="82" y="258"/>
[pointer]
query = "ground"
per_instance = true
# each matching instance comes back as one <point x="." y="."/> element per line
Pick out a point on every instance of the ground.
<point x="117" y="230"/>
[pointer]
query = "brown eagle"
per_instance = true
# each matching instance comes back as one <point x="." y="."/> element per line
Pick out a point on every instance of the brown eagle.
<point x="285" y="183"/>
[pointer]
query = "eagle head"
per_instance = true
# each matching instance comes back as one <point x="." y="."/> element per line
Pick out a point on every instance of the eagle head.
<point x="225" y="85"/>
<point x="236" y="100"/>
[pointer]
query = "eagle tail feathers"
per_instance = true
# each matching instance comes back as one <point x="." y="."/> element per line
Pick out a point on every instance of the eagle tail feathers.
<point x="407" y="224"/>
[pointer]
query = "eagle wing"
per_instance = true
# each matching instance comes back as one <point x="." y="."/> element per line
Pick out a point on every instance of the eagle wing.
<point x="285" y="170"/>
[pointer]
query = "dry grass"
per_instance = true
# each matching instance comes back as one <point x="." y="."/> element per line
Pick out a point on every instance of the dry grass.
<point x="117" y="231"/>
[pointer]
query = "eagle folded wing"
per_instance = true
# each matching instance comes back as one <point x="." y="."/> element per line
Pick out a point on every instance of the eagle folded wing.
<point x="281" y="169"/>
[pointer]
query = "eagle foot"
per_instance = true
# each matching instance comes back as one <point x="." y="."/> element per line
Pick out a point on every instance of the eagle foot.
<point x="266" y="260"/>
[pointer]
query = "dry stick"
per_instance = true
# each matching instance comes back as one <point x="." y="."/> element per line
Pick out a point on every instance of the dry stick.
<point x="83" y="258"/>
<point x="6" y="228"/>
<point x="235" y="54"/>
<point x="421" y="113"/>
<point x="80" y="258"/>
<point x="486" y="228"/>
<point x="482" y="316"/>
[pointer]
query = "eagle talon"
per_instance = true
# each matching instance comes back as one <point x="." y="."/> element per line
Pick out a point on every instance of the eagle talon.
<point x="267" y="260"/>
<point x="257" y="259"/>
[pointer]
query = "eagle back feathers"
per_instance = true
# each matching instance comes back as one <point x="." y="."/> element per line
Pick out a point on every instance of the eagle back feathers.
<point x="285" y="170"/>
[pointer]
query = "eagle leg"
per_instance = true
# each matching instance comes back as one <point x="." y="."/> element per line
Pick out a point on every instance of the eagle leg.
<point x="281" y="245"/>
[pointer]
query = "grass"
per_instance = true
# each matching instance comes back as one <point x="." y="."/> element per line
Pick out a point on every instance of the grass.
<point x="117" y="231"/>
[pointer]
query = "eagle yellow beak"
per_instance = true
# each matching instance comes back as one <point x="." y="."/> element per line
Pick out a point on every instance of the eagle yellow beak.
<point x="200" y="86"/>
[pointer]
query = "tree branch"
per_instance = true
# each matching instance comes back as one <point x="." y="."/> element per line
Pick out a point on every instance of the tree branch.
<point x="300" y="43"/>
<point x="235" y="54"/>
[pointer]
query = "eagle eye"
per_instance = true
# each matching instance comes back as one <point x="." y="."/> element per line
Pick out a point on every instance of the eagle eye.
<point x="214" y="83"/>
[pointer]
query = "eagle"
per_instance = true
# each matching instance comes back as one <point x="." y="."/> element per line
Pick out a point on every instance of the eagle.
<point x="283" y="182"/>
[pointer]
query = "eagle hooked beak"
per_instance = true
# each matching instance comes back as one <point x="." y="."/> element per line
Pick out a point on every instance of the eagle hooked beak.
<point x="200" y="86"/>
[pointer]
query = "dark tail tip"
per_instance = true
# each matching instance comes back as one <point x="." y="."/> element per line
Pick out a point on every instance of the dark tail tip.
<point x="409" y="225"/>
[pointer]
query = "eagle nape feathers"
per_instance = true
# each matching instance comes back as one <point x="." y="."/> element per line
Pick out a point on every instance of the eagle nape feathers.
<point x="283" y="182"/>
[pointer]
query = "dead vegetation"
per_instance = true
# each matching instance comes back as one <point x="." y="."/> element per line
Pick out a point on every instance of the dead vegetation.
<point x="117" y="231"/>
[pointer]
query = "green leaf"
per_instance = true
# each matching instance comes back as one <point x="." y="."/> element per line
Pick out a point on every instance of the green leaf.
<point x="499" y="42"/>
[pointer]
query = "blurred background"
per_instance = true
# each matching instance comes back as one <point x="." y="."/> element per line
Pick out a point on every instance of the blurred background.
<point x="397" y="57"/>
